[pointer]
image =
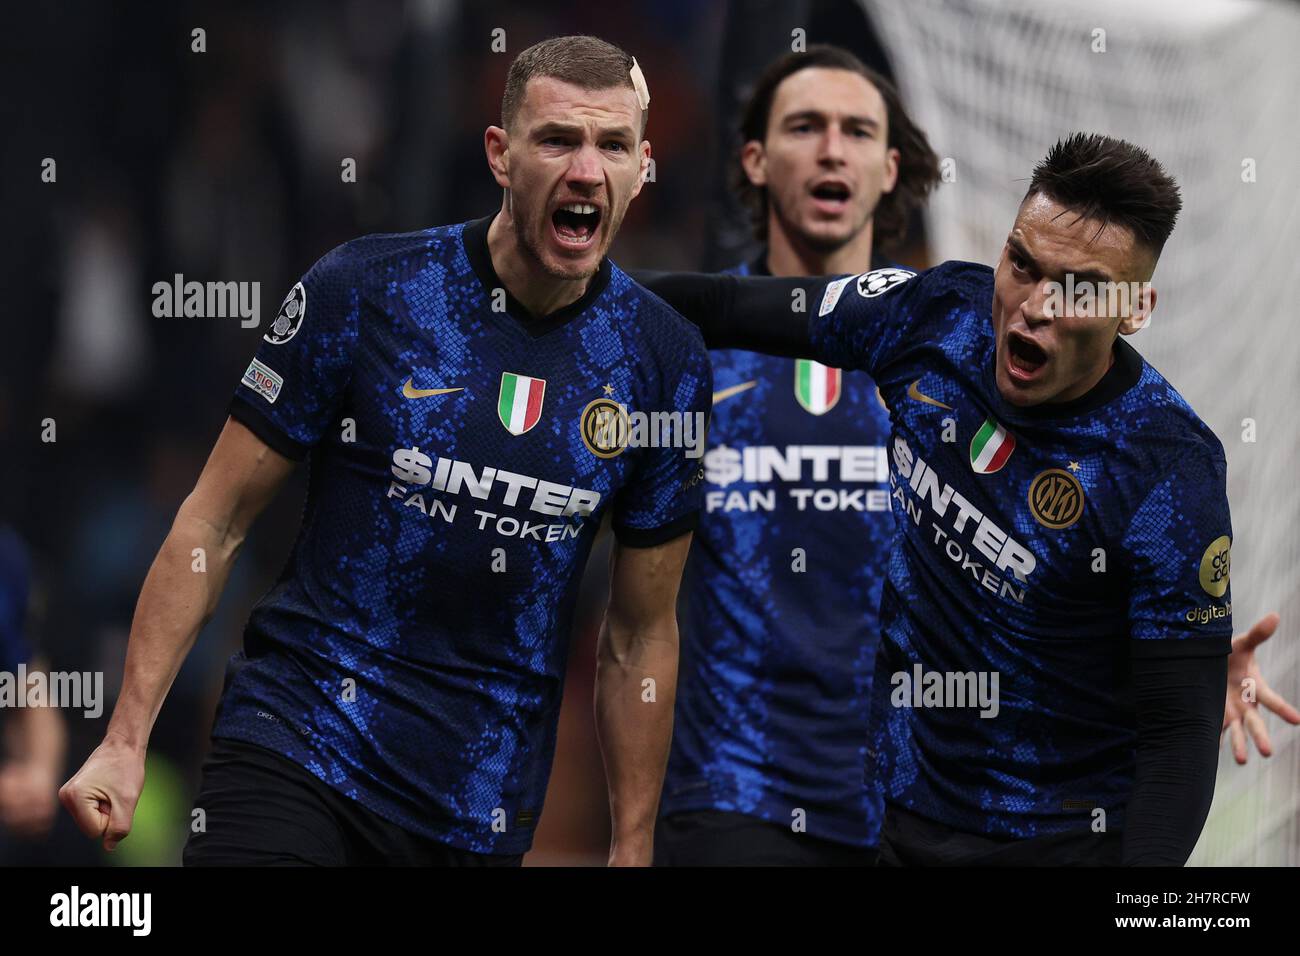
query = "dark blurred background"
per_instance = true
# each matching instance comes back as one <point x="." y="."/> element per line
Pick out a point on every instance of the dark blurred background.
<point x="223" y="166"/>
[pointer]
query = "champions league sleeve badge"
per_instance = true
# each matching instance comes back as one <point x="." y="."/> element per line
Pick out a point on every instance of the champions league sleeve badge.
<point x="876" y="283"/>
<point x="289" y="319"/>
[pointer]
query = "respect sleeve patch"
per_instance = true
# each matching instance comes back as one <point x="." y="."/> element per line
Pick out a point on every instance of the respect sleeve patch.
<point x="263" y="380"/>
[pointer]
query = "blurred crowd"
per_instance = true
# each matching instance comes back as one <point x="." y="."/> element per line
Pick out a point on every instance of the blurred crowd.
<point x="226" y="165"/>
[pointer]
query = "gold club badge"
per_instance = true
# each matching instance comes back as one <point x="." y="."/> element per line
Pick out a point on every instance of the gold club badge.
<point x="1055" y="498"/>
<point x="605" y="427"/>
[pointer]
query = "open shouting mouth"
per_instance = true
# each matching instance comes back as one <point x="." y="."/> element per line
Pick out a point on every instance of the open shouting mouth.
<point x="831" y="196"/>
<point x="1026" y="359"/>
<point x="576" y="224"/>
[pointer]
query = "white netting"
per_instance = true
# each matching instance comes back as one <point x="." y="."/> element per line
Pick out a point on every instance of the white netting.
<point x="1205" y="86"/>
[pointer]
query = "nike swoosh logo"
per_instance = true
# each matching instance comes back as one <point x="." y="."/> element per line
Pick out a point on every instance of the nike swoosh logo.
<point x="727" y="393"/>
<point x="914" y="392"/>
<point x="410" y="391"/>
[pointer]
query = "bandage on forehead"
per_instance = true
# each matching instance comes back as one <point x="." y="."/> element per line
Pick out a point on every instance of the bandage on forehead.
<point x="639" y="85"/>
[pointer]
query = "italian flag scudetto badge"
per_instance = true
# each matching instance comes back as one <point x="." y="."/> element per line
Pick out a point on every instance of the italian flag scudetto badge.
<point x="991" y="447"/>
<point x="816" y="386"/>
<point x="520" y="404"/>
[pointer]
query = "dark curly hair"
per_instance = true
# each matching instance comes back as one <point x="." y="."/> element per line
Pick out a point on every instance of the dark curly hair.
<point x="918" y="166"/>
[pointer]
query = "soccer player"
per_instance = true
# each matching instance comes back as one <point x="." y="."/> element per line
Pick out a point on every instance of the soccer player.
<point x="779" y="626"/>
<point x="397" y="697"/>
<point x="1056" y="617"/>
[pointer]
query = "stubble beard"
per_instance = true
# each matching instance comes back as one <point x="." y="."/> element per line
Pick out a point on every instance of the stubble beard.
<point x="820" y="244"/>
<point x="531" y="242"/>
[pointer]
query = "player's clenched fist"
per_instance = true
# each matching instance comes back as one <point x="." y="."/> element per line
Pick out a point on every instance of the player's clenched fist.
<point x="102" y="795"/>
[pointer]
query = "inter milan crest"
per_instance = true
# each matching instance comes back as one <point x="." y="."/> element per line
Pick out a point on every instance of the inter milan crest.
<point x="519" y="406"/>
<point x="605" y="428"/>
<point x="816" y="386"/>
<point x="289" y="319"/>
<point x="1055" y="499"/>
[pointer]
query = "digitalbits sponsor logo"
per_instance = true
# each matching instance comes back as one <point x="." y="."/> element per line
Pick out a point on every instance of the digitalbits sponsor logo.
<point x="1216" y="566"/>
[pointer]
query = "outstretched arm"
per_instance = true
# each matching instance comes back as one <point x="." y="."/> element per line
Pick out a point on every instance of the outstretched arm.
<point x="1177" y="750"/>
<point x="179" y="594"/>
<point x="1247" y="689"/>
<point x="857" y="322"/>
<point x="760" y="314"/>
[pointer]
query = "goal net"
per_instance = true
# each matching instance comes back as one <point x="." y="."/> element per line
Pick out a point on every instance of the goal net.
<point x="1208" y="87"/>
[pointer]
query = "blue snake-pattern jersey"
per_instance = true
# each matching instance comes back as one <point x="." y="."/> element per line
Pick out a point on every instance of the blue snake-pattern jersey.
<point x="1037" y="550"/>
<point x="413" y="651"/>
<point x="779" y="628"/>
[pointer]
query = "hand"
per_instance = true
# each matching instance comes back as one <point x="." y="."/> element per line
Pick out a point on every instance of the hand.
<point x="102" y="795"/>
<point x="1240" y="714"/>
<point x="27" y="798"/>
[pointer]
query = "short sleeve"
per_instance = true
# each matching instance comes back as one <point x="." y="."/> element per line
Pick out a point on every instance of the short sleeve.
<point x="662" y="501"/>
<point x="292" y="390"/>
<point x="869" y="320"/>
<point x="1178" y="549"/>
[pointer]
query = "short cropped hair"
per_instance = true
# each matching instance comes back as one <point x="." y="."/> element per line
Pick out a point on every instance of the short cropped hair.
<point x="585" y="61"/>
<point x="1113" y="181"/>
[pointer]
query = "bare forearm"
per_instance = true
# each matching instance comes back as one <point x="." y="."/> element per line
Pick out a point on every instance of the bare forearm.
<point x="179" y="595"/>
<point x="636" y="684"/>
<point x="39" y="739"/>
